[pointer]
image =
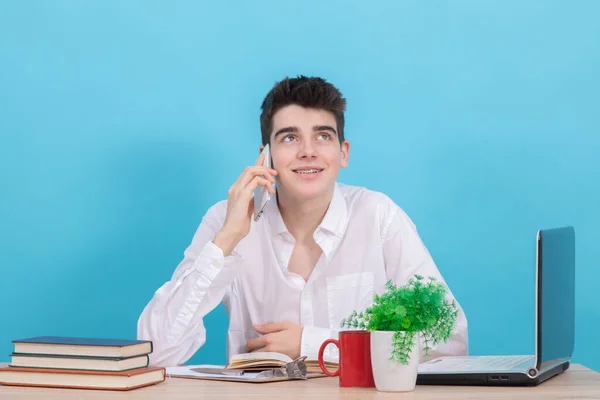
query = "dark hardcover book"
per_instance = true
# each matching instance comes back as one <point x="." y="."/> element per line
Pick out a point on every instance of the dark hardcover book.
<point x="75" y="346"/>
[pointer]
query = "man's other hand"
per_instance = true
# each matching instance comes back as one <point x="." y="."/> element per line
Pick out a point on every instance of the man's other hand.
<point x="283" y="337"/>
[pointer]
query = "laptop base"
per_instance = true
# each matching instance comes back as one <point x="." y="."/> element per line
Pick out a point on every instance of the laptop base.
<point x="489" y="379"/>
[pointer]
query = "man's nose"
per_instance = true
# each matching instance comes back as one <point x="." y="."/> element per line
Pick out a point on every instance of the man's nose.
<point x="307" y="150"/>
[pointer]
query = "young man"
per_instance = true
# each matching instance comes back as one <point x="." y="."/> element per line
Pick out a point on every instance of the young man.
<point x="319" y="251"/>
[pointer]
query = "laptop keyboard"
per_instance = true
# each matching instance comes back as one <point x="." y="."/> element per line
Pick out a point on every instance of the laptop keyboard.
<point x="484" y="363"/>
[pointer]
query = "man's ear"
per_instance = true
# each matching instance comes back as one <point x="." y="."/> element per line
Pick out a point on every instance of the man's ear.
<point x="261" y="148"/>
<point x="345" y="154"/>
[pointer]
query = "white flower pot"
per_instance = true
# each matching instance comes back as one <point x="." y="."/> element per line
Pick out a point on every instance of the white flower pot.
<point x="390" y="375"/>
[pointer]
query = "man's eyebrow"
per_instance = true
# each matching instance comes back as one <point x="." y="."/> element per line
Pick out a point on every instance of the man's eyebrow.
<point x="294" y="129"/>
<point x="288" y="129"/>
<point x="318" y="128"/>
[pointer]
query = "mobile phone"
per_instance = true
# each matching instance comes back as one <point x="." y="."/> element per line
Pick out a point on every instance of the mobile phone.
<point x="261" y="194"/>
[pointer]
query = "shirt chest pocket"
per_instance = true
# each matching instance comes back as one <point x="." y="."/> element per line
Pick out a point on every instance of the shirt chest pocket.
<point x="348" y="293"/>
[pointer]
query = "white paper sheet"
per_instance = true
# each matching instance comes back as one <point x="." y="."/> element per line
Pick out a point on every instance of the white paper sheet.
<point x="186" y="370"/>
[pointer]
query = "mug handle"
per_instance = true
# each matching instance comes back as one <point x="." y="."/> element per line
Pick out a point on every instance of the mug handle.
<point x="321" y="363"/>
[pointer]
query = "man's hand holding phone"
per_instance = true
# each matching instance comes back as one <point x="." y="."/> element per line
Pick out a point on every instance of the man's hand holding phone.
<point x="240" y="204"/>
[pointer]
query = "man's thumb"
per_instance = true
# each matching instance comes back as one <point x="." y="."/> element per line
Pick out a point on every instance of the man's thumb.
<point x="251" y="207"/>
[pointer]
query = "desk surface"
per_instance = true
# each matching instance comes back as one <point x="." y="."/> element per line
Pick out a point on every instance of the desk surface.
<point x="576" y="383"/>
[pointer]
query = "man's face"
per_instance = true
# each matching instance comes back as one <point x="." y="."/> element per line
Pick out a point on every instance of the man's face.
<point x="306" y="151"/>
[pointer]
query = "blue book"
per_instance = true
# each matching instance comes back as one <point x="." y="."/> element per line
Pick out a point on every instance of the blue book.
<point x="90" y="347"/>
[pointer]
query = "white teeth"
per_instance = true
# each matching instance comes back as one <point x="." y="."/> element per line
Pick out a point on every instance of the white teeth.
<point x="307" y="171"/>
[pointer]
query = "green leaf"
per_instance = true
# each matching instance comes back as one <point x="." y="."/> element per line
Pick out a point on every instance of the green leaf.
<point x="406" y="323"/>
<point x="400" y="311"/>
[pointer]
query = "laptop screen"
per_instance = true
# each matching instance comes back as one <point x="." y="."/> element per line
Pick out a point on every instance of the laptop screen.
<point x="556" y="296"/>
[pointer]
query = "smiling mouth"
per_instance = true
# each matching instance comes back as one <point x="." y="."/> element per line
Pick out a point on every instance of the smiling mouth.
<point x="308" y="171"/>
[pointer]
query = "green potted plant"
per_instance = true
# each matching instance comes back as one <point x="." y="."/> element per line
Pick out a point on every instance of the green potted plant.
<point x="397" y="319"/>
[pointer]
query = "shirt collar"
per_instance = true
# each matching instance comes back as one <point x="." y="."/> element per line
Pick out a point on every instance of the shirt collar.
<point x="335" y="219"/>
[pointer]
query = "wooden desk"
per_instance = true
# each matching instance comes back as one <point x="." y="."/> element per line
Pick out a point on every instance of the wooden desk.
<point x="577" y="383"/>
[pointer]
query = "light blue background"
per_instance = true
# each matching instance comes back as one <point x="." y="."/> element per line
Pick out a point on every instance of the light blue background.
<point x="122" y="122"/>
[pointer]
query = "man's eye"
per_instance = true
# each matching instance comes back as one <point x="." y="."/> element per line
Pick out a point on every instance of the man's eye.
<point x="324" y="136"/>
<point x="288" y="138"/>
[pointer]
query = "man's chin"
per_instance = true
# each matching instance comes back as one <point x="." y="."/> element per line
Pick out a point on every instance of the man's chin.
<point x="310" y="192"/>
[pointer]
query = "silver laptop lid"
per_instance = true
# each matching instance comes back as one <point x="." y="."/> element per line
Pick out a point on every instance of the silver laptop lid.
<point x="555" y="297"/>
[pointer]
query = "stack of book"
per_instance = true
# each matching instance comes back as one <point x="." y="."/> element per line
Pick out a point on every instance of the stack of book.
<point x="84" y="363"/>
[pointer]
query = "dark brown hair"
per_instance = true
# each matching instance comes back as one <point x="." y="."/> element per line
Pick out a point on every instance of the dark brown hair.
<point x="309" y="92"/>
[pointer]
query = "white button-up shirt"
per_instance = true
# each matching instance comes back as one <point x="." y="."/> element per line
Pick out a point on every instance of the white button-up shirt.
<point x="366" y="240"/>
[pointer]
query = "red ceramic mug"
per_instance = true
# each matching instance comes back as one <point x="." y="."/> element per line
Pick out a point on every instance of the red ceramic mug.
<point x="354" y="360"/>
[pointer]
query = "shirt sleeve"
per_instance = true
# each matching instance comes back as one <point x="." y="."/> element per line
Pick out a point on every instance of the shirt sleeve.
<point x="173" y="319"/>
<point x="406" y="255"/>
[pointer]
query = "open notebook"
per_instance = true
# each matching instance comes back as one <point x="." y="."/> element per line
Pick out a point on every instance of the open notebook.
<point x="265" y="360"/>
<point x="256" y="367"/>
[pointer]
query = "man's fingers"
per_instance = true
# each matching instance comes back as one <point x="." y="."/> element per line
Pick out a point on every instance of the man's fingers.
<point x="252" y="172"/>
<point x="258" y="181"/>
<point x="266" y="348"/>
<point x="269" y="328"/>
<point x="256" y="343"/>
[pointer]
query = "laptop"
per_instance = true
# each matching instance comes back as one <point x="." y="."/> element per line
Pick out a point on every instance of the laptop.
<point x="554" y="327"/>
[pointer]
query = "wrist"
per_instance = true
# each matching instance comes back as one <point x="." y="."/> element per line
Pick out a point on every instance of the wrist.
<point x="226" y="241"/>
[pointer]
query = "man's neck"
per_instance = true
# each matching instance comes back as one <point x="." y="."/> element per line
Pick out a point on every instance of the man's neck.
<point x="302" y="218"/>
